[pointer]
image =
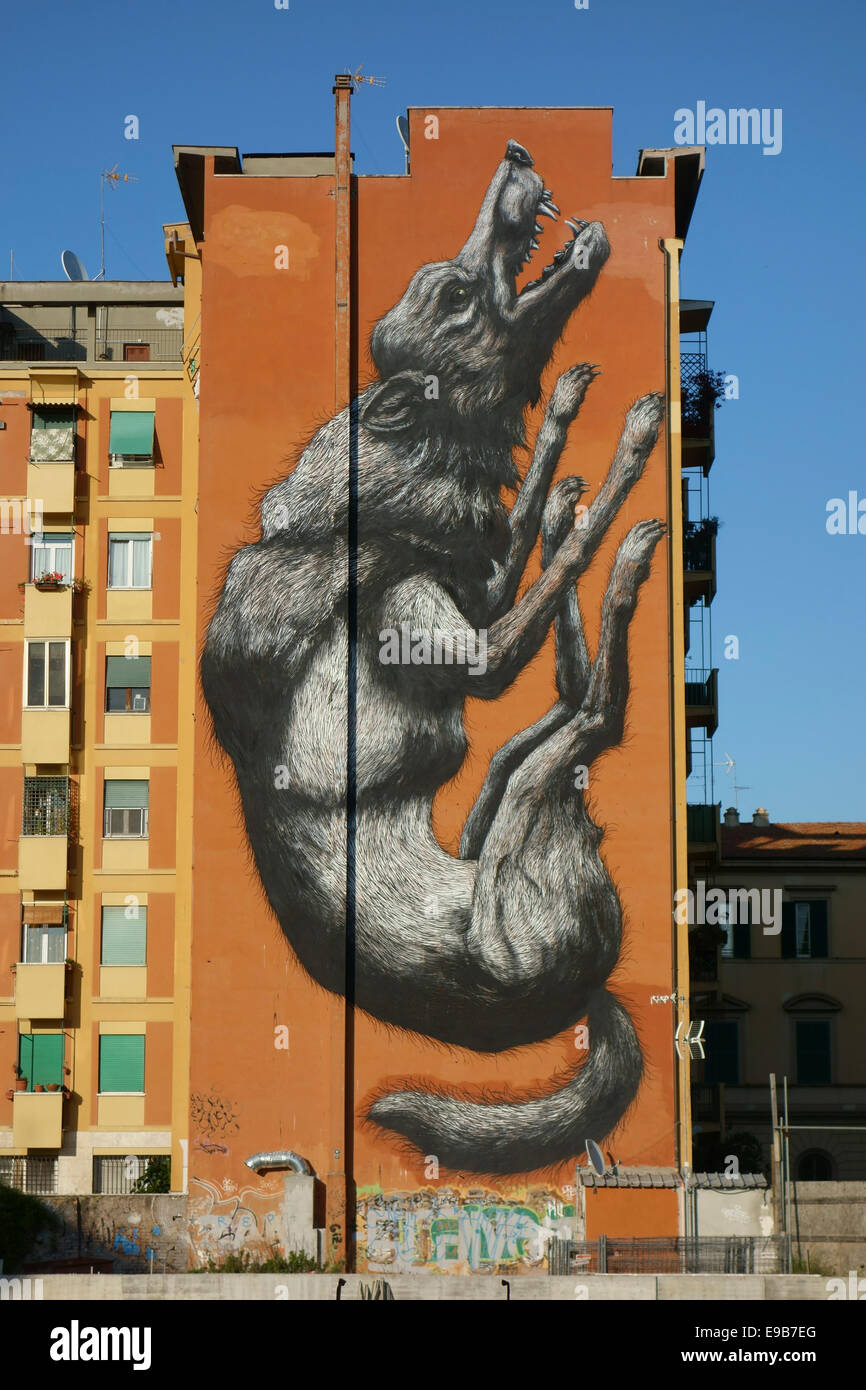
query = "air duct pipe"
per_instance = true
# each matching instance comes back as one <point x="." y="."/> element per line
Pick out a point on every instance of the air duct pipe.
<point x="282" y="1158"/>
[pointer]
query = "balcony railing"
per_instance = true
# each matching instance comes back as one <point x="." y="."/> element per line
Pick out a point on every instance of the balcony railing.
<point x="49" y="344"/>
<point x="702" y="822"/>
<point x="702" y="698"/>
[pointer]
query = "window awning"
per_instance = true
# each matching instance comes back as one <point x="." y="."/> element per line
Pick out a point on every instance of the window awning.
<point x="44" y="914"/>
<point x="126" y="671"/>
<point x="131" y="432"/>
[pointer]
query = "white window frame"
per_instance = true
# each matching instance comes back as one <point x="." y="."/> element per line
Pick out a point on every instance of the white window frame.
<point x="128" y="541"/>
<point x="109" y="811"/>
<point x="43" y="642"/>
<point x="30" y="926"/>
<point x="42" y="540"/>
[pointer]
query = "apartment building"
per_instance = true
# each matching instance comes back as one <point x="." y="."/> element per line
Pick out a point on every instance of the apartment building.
<point x="98" y="437"/>
<point x="781" y="984"/>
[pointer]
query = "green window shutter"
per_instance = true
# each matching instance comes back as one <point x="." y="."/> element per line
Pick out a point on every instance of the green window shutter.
<point x="789" y="940"/>
<point x="59" y="417"/>
<point x="40" y="1058"/>
<point x="127" y="796"/>
<point x="121" y="1062"/>
<point x="742" y="940"/>
<point x="722" y="1049"/>
<point x="813" y="1053"/>
<point x="126" y="671"/>
<point x="124" y="939"/>
<point x="131" y="432"/>
<point x="818" y="922"/>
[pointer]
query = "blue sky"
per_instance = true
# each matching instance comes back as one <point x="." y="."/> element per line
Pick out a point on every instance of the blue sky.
<point x="776" y="241"/>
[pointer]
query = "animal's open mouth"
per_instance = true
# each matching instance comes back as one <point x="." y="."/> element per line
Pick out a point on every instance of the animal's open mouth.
<point x="547" y="208"/>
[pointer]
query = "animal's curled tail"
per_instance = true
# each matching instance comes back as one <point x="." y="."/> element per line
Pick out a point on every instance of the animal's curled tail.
<point x="521" y="1136"/>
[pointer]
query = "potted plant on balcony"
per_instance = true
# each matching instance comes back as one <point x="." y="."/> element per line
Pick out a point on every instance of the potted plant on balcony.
<point x="53" y="1086"/>
<point x="20" y="1081"/>
<point x="50" y="581"/>
<point x="39" y="1088"/>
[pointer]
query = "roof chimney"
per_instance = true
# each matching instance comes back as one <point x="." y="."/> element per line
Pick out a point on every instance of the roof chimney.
<point x="761" y="816"/>
<point x="732" y="816"/>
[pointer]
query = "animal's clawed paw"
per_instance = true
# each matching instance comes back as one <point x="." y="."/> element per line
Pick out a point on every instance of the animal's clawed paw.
<point x="644" y="418"/>
<point x="570" y="389"/>
<point x="632" y="564"/>
<point x="560" y="516"/>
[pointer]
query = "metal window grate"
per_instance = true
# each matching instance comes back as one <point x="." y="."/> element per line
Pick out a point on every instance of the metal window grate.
<point x="46" y="806"/>
<point x="117" y="1176"/>
<point x="37" y="1175"/>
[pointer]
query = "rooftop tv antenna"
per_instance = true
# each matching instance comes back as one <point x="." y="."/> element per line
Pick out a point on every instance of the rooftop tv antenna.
<point x="730" y="766"/>
<point x="112" y="177"/>
<point x="358" y="79"/>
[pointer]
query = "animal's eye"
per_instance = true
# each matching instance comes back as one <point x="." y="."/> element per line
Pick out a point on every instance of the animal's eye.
<point x="458" y="296"/>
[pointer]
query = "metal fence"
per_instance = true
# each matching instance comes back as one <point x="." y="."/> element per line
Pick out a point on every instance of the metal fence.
<point x="35" y="1175"/>
<point x="52" y="344"/>
<point x="46" y="806"/>
<point x="669" y="1255"/>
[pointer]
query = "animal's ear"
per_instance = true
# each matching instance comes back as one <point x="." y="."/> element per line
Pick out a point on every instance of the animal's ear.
<point x="394" y="404"/>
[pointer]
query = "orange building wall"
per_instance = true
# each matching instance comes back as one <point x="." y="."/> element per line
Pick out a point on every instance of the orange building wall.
<point x="264" y="391"/>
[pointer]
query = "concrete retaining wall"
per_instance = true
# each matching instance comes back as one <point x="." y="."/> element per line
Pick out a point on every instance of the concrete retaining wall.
<point x="708" y="1288"/>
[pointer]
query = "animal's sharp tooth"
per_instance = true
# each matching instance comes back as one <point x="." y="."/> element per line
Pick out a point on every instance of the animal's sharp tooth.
<point x="538" y="227"/>
<point x="547" y="194"/>
<point x="533" y="243"/>
<point x="577" y="227"/>
<point x="552" y="204"/>
<point x="544" y="211"/>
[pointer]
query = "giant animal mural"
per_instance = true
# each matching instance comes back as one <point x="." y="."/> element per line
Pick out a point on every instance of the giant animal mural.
<point x="381" y="594"/>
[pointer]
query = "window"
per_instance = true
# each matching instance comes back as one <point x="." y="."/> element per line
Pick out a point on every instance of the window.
<point x="136" y="352"/>
<point x="121" y="1063"/>
<point x="721" y="1040"/>
<point x="126" y="807"/>
<point x="813" y="1053"/>
<point x="51" y="552"/>
<point x="129" y="560"/>
<point x="47" y="675"/>
<point x="52" y="434"/>
<point x="127" y="685"/>
<point x="36" y="1174"/>
<point x="44" y="944"/>
<point x="815" y="1166"/>
<point x="131" y="438"/>
<point x="804" y="930"/>
<point x="40" y="1057"/>
<point x="124" y="936"/>
<point x="118" y="1174"/>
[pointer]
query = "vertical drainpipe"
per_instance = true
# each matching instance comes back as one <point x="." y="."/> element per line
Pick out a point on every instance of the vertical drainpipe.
<point x="672" y="247"/>
<point x="339" y="1213"/>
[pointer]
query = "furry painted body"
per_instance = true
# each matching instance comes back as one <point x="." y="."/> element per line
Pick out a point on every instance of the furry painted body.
<point x="511" y="942"/>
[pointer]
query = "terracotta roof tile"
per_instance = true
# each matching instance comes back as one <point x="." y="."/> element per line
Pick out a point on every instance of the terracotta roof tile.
<point x="822" y="840"/>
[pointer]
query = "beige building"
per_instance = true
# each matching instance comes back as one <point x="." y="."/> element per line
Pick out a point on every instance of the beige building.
<point x="781" y="983"/>
<point x="98" y="459"/>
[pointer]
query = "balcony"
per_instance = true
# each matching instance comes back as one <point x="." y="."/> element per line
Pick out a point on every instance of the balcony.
<point x="45" y="736"/>
<point x="43" y="847"/>
<point x="23" y="342"/>
<point x="37" y="1120"/>
<point x="698" y="400"/>
<point x="702" y="699"/>
<point x="47" y="612"/>
<point x="699" y="562"/>
<point x="40" y="991"/>
<point x="703" y="826"/>
<point x="53" y="484"/>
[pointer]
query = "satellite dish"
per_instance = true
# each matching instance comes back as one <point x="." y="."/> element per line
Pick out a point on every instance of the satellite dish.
<point x="403" y="132"/>
<point x="72" y="266"/>
<point x="596" y="1158"/>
